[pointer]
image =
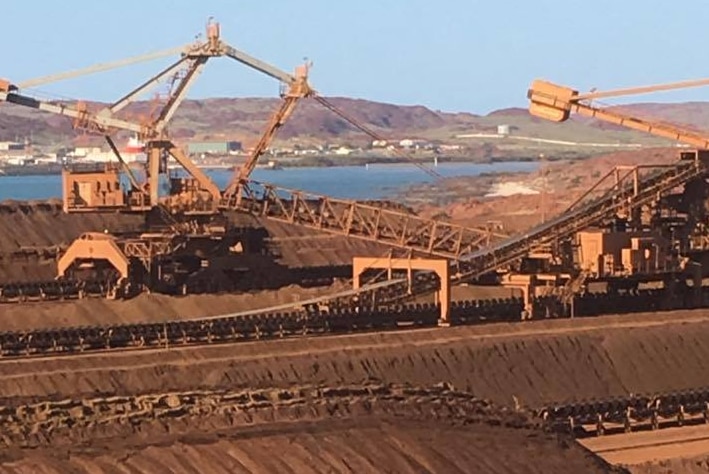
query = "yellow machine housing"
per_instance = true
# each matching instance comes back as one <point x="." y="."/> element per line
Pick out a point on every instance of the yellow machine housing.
<point x="92" y="188"/>
<point x="92" y="246"/>
<point x="605" y="254"/>
<point x="550" y="101"/>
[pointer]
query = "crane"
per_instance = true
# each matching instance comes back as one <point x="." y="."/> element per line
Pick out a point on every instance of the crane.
<point x="94" y="190"/>
<point x="91" y="190"/>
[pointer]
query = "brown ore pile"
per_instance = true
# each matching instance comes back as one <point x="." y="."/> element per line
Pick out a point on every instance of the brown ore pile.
<point x="359" y="403"/>
<point x="434" y="400"/>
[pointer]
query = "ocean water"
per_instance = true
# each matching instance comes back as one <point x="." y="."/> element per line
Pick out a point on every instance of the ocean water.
<point x="346" y="182"/>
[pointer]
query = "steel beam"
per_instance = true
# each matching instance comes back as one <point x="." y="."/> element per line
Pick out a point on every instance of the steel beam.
<point x="131" y="177"/>
<point x="361" y="221"/>
<point x="98" y="68"/>
<point x="178" y="95"/>
<point x="121" y="103"/>
<point x="101" y="123"/>
<point x="258" y="65"/>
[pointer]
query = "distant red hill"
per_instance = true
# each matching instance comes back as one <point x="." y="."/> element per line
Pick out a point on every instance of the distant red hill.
<point x="244" y="119"/>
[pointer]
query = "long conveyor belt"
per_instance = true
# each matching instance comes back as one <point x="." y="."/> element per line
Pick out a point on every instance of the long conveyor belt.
<point x="626" y="414"/>
<point x="242" y="327"/>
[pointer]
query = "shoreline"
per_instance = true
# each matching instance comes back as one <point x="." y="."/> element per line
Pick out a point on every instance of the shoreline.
<point x="384" y="181"/>
<point x="314" y="162"/>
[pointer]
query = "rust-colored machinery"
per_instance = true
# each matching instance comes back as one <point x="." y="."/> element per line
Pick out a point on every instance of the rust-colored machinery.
<point x="208" y="260"/>
<point x="652" y="238"/>
<point x="95" y="189"/>
<point x="621" y="235"/>
<point x="193" y="202"/>
<point x="189" y="213"/>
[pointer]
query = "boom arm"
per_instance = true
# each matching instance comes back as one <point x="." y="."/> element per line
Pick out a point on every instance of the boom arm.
<point x="296" y="91"/>
<point x="124" y="101"/>
<point x="99" y="123"/>
<point x="98" y="68"/>
<point x="257" y="64"/>
<point x="556" y="103"/>
<point x="179" y="94"/>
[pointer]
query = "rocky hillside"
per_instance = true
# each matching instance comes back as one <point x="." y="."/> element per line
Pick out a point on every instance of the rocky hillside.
<point x="243" y="119"/>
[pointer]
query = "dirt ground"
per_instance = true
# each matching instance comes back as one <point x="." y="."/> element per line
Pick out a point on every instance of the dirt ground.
<point x="558" y="185"/>
<point x="524" y="364"/>
<point x="335" y="442"/>
<point x="531" y="363"/>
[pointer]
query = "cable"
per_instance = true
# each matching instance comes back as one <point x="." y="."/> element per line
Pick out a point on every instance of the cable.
<point x="328" y="105"/>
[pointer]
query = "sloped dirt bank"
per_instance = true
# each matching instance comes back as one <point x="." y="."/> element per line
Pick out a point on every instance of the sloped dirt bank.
<point x="365" y="428"/>
<point x="534" y="363"/>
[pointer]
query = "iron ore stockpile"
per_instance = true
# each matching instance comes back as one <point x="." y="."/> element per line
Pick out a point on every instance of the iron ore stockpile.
<point x="262" y="329"/>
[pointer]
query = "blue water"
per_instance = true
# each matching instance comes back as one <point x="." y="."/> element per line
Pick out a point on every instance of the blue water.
<point x="347" y="182"/>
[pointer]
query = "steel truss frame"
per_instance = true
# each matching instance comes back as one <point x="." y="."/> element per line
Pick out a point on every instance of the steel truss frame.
<point x="362" y="221"/>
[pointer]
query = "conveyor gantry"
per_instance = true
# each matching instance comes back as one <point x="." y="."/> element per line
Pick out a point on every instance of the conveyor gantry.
<point x="632" y="195"/>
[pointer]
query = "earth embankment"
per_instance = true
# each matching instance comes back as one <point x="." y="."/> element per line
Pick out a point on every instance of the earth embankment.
<point x="530" y="364"/>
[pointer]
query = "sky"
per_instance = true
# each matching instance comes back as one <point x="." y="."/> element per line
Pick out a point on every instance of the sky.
<point x="450" y="55"/>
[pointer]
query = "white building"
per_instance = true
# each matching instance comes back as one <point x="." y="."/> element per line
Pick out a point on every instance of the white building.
<point x="413" y="143"/>
<point x="8" y="146"/>
<point x="81" y="151"/>
<point x="343" y="151"/>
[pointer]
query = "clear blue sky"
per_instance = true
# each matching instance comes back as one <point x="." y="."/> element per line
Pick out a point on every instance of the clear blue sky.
<point x="453" y="55"/>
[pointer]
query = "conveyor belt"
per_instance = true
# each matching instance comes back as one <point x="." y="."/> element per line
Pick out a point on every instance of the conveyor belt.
<point x="51" y="290"/>
<point x="499" y="255"/>
<point x="625" y="414"/>
<point x="232" y="329"/>
<point x="308" y="321"/>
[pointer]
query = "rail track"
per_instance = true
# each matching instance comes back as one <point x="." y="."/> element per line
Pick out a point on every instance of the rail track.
<point x="308" y="321"/>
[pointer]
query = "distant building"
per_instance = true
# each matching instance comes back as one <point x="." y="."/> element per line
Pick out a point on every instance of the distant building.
<point x="11" y="146"/>
<point x="81" y="151"/>
<point x="343" y="151"/>
<point x="19" y="160"/>
<point x="48" y="159"/>
<point x="213" y="148"/>
<point x="413" y="143"/>
<point x="503" y="130"/>
<point x="445" y="147"/>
